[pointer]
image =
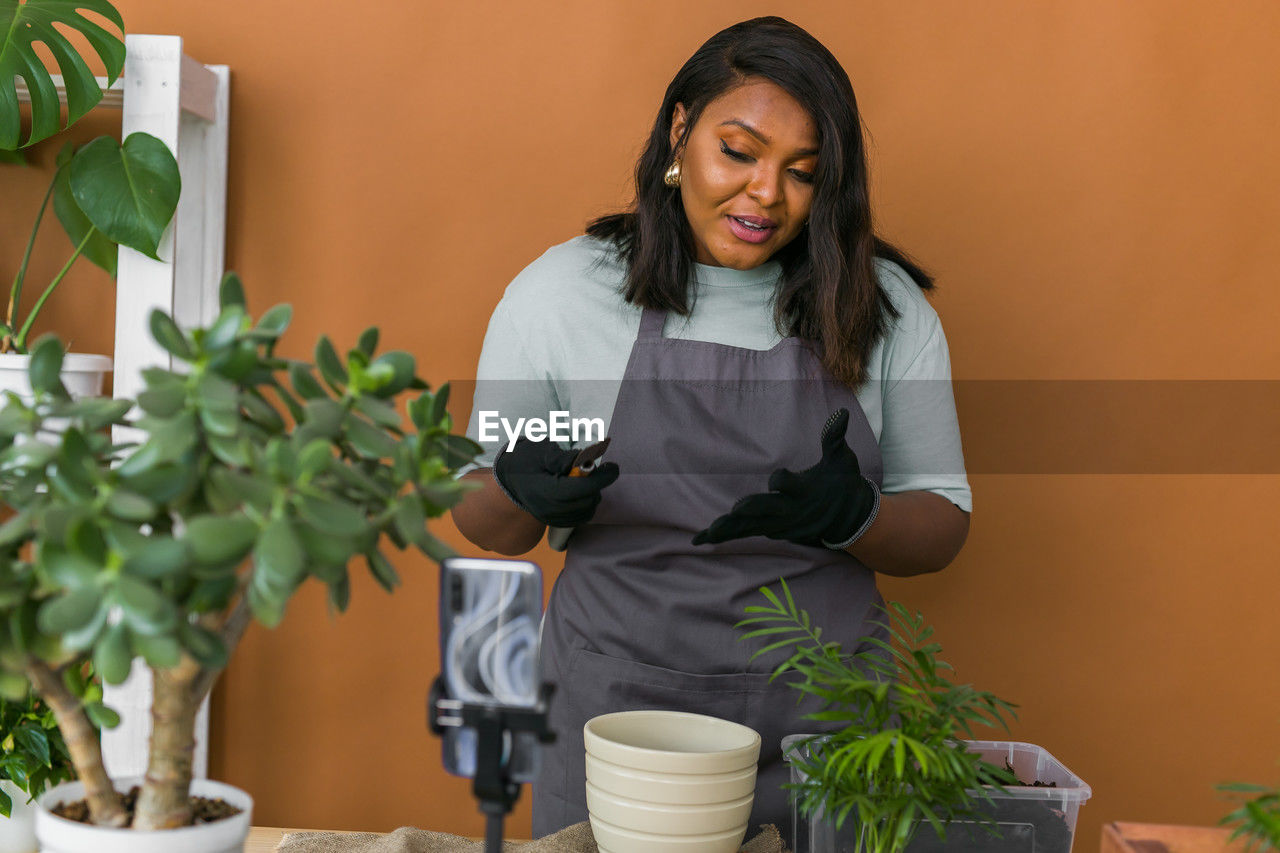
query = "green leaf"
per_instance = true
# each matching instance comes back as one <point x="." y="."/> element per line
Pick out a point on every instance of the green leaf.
<point x="26" y="24"/>
<point x="13" y="687"/>
<point x="439" y="405"/>
<point x="279" y="555"/>
<point x="157" y="557"/>
<point x="46" y="365"/>
<point x="6" y="803"/>
<point x="324" y="549"/>
<point x="224" y="329"/>
<point x="161" y="651"/>
<point x="380" y="411"/>
<point x="129" y="506"/>
<point x="231" y="291"/>
<point x="203" y="645"/>
<point x="130" y="191"/>
<point x="216" y="539"/>
<point x="34" y="742"/>
<point x="368" y="341"/>
<point x="167" y="334"/>
<point x="402" y="366"/>
<point x="71" y="611"/>
<point x="370" y="440"/>
<point x="262" y="412"/>
<point x="383" y="572"/>
<point x="265" y="607"/>
<point x="410" y="519"/>
<point x="13" y="158"/>
<point x="83" y="638"/>
<point x="253" y="489"/>
<point x="460" y="450"/>
<point x="323" y="418"/>
<point x="17" y="528"/>
<point x="99" y="248"/>
<point x="163" y="401"/>
<point x="332" y="515"/>
<point x="314" y="458"/>
<point x="211" y="594"/>
<point x="113" y="657"/>
<point x="340" y="593"/>
<point x="330" y="366"/>
<point x="304" y="383"/>
<point x="145" y="608"/>
<point x="276" y="320"/>
<point x="101" y="716"/>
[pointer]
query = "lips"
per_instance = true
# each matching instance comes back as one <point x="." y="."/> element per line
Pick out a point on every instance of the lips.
<point x="751" y="229"/>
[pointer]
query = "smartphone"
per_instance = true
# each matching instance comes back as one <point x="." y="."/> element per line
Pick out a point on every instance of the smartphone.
<point x="490" y="614"/>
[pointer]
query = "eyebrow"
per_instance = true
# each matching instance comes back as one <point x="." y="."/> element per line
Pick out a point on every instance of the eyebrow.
<point x="758" y="135"/>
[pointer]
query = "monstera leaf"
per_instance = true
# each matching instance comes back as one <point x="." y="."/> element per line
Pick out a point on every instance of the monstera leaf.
<point x="25" y="24"/>
<point x="127" y="192"/>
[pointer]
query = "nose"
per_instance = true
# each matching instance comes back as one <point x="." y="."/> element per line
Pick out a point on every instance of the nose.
<point x="765" y="186"/>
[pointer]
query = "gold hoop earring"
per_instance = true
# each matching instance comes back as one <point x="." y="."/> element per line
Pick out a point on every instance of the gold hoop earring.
<point x="672" y="177"/>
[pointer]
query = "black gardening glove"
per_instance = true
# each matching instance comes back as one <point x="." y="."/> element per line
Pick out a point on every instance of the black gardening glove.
<point x="827" y="505"/>
<point x="535" y="475"/>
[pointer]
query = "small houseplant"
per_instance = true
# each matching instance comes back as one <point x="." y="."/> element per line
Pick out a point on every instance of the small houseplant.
<point x="104" y="193"/>
<point x="251" y="475"/>
<point x="34" y="757"/>
<point x="896" y="760"/>
<point x="1257" y="820"/>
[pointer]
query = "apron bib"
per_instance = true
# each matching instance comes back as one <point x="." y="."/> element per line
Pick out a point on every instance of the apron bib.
<point x="642" y="619"/>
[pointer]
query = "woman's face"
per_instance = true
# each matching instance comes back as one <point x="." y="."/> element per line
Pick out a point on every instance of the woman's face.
<point x="746" y="173"/>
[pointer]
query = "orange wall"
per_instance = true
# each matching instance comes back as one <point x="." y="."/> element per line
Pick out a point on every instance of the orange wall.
<point x="1094" y="183"/>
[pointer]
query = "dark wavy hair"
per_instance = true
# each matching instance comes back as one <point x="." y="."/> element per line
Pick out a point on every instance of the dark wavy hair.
<point x="829" y="294"/>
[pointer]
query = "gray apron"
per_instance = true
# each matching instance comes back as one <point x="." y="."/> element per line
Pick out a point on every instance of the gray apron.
<point x="640" y="618"/>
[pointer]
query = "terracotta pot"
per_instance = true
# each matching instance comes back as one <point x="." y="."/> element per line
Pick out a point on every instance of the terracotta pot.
<point x="1122" y="837"/>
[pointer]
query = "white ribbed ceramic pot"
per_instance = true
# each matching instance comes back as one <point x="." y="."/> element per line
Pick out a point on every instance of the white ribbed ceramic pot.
<point x="669" y="782"/>
<point x="18" y="830"/>
<point x="58" y="835"/>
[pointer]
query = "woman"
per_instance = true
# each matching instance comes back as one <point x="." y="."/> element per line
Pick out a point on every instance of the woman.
<point x="793" y="419"/>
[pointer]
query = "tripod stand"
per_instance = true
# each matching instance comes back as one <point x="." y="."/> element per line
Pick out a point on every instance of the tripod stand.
<point x="495" y="727"/>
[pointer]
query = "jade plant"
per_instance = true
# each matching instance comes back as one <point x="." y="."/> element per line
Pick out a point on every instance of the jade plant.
<point x="894" y="759"/>
<point x="34" y="753"/>
<point x="105" y="194"/>
<point x="243" y="475"/>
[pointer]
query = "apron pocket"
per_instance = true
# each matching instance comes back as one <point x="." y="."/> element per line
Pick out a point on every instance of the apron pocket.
<point x="599" y="684"/>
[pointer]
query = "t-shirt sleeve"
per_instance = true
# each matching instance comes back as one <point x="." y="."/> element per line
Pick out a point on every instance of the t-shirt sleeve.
<point x="920" y="439"/>
<point x="510" y="385"/>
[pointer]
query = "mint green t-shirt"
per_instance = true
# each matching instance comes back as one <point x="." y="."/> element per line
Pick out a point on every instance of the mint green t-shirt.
<point x="560" y="338"/>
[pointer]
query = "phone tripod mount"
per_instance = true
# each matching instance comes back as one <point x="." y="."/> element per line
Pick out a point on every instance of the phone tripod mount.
<point x="495" y="727"/>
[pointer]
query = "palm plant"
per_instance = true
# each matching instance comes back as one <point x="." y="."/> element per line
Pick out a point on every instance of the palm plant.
<point x="1257" y="820"/>
<point x="249" y="475"/>
<point x="896" y="759"/>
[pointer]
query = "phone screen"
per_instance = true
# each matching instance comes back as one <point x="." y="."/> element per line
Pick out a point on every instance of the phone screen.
<point x="490" y="612"/>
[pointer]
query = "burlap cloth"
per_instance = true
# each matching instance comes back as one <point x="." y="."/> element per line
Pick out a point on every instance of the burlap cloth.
<point x="406" y="839"/>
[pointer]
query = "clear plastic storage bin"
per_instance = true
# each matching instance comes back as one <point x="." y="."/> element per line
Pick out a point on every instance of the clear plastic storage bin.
<point x="1029" y="819"/>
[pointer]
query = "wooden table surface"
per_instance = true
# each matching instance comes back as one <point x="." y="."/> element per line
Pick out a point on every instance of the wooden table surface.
<point x="263" y="839"/>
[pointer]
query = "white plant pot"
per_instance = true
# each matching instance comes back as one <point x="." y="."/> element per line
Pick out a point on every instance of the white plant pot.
<point x="18" y="831"/>
<point x="58" y="835"/>
<point x="81" y="373"/>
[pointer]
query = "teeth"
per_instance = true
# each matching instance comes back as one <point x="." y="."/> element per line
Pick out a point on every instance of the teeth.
<point x="752" y="227"/>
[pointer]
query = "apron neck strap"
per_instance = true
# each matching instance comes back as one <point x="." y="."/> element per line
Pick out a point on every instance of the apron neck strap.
<point x="651" y="322"/>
